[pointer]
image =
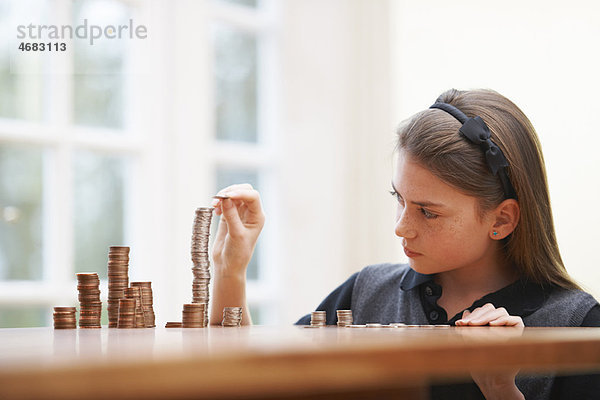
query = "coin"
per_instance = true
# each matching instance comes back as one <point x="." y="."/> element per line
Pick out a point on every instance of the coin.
<point x="318" y="318"/>
<point x="344" y="317"/>
<point x="232" y="316"/>
<point x="90" y="306"/>
<point x="64" y="318"/>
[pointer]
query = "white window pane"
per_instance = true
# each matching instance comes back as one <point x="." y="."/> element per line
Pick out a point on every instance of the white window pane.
<point x="20" y="94"/>
<point x="98" y="82"/>
<point x="226" y="177"/>
<point x="25" y="316"/>
<point x="21" y="197"/>
<point x="235" y="84"/>
<point x="99" y="209"/>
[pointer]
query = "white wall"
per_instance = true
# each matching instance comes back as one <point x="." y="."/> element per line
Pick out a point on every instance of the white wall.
<point x="337" y="138"/>
<point x="544" y="56"/>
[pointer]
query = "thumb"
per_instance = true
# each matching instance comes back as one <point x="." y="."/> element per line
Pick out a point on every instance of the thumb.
<point x="232" y="217"/>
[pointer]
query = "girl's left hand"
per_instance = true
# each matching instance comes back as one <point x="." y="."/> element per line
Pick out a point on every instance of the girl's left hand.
<point x="489" y="315"/>
<point x="494" y="386"/>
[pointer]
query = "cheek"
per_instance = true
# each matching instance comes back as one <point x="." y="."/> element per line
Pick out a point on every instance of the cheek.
<point x="454" y="241"/>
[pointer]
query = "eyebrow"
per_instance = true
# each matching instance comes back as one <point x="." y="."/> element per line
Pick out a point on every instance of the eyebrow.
<point x="419" y="203"/>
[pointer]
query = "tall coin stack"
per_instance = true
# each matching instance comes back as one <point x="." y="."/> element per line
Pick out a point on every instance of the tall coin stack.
<point x="126" y="314"/>
<point x="135" y="293"/>
<point x="64" y="318"/>
<point x="232" y="316"/>
<point x="344" y="317"/>
<point x="90" y="306"/>
<point x="194" y="315"/>
<point x="147" y="302"/>
<point x="318" y="318"/>
<point x="199" y="250"/>
<point x="118" y="281"/>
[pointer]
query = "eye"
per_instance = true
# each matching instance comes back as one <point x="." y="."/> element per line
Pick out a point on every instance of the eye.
<point x="427" y="214"/>
<point x="397" y="196"/>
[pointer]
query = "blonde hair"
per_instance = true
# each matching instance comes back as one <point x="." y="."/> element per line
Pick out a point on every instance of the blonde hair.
<point x="432" y="138"/>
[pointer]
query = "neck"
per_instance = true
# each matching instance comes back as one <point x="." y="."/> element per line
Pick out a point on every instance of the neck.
<point x="462" y="286"/>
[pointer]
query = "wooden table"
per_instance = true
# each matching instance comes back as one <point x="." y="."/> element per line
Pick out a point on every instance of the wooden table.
<point x="275" y="362"/>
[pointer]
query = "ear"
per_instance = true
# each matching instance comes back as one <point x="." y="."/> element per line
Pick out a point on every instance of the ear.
<point x="505" y="218"/>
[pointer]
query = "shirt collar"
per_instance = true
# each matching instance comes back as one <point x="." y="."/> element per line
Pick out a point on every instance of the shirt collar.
<point x="412" y="279"/>
<point x="519" y="298"/>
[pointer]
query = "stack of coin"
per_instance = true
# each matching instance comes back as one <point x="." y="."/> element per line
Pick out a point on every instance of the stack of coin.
<point x="318" y="318"/>
<point x="126" y="313"/>
<point x="118" y="281"/>
<point x="200" y="258"/>
<point x="193" y="315"/>
<point x="90" y="306"/>
<point x="173" y="325"/>
<point x="64" y="318"/>
<point x="135" y="293"/>
<point x="344" y="317"/>
<point x="147" y="302"/>
<point x="232" y="316"/>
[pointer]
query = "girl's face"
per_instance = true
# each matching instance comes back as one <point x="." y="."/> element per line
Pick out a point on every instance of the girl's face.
<point x="439" y="225"/>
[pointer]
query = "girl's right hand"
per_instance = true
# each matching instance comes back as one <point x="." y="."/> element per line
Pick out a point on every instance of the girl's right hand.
<point x="242" y="219"/>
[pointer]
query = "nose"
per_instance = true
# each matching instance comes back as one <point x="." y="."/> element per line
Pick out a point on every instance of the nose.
<point x="404" y="226"/>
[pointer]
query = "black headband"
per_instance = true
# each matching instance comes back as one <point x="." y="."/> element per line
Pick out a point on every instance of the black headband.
<point x="478" y="133"/>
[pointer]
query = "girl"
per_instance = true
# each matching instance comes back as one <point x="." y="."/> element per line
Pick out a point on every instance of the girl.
<point x="475" y="221"/>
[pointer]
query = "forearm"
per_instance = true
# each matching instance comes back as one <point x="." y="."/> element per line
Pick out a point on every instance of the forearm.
<point x="229" y="291"/>
<point x="501" y="392"/>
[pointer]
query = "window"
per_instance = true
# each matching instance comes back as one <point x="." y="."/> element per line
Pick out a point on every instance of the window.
<point x="65" y="153"/>
<point x="242" y="36"/>
<point x="101" y="147"/>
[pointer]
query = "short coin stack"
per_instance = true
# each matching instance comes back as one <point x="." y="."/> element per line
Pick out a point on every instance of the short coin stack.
<point x="64" y="318"/>
<point x="147" y="302"/>
<point x="199" y="252"/>
<point x="134" y="292"/>
<point x="318" y="318"/>
<point x="232" y="316"/>
<point x="194" y="315"/>
<point x="344" y="317"/>
<point x="118" y="281"/>
<point x="90" y="306"/>
<point x="126" y="314"/>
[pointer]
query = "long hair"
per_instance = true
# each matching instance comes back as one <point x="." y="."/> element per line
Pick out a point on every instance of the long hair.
<point x="431" y="137"/>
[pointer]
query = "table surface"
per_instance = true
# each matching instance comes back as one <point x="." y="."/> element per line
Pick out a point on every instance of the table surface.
<point x="228" y="362"/>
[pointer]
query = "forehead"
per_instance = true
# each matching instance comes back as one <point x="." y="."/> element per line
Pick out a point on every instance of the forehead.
<point x="416" y="183"/>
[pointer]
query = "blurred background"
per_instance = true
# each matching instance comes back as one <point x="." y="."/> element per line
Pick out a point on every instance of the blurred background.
<point x="119" y="142"/>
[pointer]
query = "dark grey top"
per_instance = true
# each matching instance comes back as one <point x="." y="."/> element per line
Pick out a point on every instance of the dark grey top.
<point x="387" y="293"/>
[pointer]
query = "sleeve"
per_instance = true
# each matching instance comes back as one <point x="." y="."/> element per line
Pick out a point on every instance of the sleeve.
<point x="579" y="386"/>
<point x="339" y="299"/>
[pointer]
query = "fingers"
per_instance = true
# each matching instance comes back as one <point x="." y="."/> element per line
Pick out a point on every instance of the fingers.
<point x="489" y="315"/>
<point x="235" y="226"/>
<point x="508" y="320"/>
<point x="245" y="199"/>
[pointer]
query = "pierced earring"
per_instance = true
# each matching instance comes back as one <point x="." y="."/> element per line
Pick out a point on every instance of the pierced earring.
<point x="495" y="233"/>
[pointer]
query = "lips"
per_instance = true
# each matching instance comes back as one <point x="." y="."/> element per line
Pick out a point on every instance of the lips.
<point x="411" y="254"/>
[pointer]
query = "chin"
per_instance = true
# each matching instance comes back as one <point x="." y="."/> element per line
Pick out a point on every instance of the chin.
<point x="422" y="268"/>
